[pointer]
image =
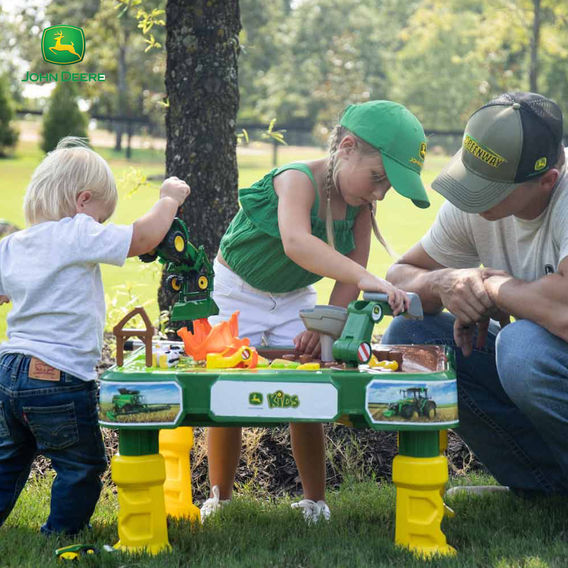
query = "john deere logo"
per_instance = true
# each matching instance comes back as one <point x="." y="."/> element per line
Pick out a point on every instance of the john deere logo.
<point x="63" y="45"/>
<point x="422" y="151"/>
<point x="540" y="164"/>
<point x="255" y="398"/>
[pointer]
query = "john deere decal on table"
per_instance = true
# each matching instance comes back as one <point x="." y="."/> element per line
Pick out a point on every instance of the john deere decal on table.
<point x="354" y="389"/>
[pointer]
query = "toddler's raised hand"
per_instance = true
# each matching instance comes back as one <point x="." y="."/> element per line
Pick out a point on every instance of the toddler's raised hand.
<point x="398" y="300"/>
<point x="175" y="188"/>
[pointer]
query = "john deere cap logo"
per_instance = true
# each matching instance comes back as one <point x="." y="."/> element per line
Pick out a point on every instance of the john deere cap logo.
<point x="422" y="150"/>
<point x="63" y="45"/>
<point x="540" y="164"/>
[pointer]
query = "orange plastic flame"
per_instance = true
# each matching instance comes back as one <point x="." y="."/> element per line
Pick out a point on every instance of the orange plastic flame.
<point x="206" y="339"/>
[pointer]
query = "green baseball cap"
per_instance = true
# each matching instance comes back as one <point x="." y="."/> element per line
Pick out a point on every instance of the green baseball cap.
<point x="398" y="135"/>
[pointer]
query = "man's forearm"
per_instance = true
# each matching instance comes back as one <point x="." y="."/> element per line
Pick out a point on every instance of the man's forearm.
<point x="420" y="281"/>
<point x="544" y="301"/>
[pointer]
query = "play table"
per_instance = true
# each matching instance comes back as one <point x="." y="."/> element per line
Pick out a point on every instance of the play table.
<point x="154" y="408"/>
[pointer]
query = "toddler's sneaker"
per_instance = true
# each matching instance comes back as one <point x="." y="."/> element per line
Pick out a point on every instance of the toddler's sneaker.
<point x="313" y="512"/>
<point x="213" y="504"/>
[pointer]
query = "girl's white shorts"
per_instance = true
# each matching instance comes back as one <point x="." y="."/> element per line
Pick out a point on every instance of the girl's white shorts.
<point x="265" y="318"/>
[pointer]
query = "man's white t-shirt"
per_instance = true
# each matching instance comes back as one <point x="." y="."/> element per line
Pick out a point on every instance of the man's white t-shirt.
<point x="525" y="249"/>
<point x="51" y="274"/>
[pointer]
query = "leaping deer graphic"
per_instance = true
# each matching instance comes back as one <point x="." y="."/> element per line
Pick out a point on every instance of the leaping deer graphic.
<point x="62" y="46"/>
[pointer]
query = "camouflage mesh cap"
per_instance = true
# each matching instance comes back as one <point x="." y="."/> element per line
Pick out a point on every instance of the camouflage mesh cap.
<point x="398" y="135"/>
<point x="513" y="139"/>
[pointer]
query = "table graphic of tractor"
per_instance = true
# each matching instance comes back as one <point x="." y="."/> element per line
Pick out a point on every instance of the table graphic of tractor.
<point x="131" y="401"/>
<point x="414" y="402"/>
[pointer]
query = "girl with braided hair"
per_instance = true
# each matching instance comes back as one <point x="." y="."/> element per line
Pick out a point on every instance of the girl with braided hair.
<point x="302" y="222"/>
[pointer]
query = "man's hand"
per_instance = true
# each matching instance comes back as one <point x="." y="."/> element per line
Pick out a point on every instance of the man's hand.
<point x="308" y="342"/>
<point x="464" y="332"/>
<point x="493" y="282"/>
<point x="4" y="299"/>
<point x="463" y="293"/>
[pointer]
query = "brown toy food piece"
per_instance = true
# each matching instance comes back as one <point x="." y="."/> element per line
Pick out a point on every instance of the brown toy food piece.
<point x="382" y="354"/>
<point x="289" y="357"/>
<point x="398" y="357"/>
<point x="418" y="358"/>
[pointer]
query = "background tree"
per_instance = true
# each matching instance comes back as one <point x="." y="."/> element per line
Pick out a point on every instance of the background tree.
<point x="116" y="47"/>
<point x="63" y="117"/>
<point x="8" y="134"/>
<point x="202" y="46"/>
<point x="334" y="52"/>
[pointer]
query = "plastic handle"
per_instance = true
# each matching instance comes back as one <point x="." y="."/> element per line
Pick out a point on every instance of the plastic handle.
<point x="414" y="310"/>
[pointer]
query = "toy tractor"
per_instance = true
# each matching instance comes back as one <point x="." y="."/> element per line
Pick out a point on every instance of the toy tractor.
<point x="414" y="402"/>
<point x="189" y="272"/>
<point x="354" y="344"/>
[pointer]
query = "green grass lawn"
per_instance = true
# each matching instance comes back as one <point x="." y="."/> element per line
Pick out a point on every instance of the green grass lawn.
<point x="498" y="530"/>
<point x="136" y="283"/>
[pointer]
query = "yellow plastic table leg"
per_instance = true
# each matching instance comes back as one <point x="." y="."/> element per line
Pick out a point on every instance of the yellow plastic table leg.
<point x="142" y="515"/>
<point x="175" y="446"/>
<point x="419" y="505"/>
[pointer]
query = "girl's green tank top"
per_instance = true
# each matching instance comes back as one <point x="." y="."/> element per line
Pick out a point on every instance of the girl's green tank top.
<point x="252" y="245"/>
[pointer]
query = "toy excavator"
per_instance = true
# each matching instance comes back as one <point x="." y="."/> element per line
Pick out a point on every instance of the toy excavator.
<point x="189" y="272"/>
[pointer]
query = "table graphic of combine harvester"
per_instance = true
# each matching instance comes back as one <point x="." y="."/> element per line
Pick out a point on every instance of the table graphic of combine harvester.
<point x="215" y="378"/>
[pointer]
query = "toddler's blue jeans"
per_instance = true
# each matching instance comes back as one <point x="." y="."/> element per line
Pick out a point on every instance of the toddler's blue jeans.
<point x="513" y="399"/>
<point x="58" y="420"/>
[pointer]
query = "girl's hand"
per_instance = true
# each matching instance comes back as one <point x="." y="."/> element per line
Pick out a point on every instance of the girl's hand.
<point x="308" y="342"/>
<point x="398" y="300"/>
<point x="175" y="188"/>
<point x="4" y="299"/>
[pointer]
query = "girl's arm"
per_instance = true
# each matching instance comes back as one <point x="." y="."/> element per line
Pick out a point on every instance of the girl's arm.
<point x="295" y="198"/>
<point x="342" y="294"/>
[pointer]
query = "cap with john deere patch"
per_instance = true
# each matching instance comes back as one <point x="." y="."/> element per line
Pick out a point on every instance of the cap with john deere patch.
<point x="397" y="133"/>
<point x="511" y="140"/>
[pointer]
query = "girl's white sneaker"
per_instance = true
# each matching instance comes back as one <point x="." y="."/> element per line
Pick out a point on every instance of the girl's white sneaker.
<point x="313" y="511"/>
<point x="213" y="504"/>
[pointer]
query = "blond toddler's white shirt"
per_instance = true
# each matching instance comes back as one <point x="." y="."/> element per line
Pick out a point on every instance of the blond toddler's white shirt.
<point x="51" y="274"/>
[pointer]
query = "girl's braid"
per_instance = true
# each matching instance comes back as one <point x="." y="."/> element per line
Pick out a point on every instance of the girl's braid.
<point x="377" y="232"/>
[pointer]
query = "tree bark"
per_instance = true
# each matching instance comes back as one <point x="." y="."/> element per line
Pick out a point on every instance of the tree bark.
<point x="202" y="47"/>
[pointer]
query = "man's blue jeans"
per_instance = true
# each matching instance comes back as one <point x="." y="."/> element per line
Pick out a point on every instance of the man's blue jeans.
<point x="513" y="399"/>
<point x="58" y="420"/>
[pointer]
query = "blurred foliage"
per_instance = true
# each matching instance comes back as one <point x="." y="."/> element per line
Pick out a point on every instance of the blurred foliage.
<point x="8" y="134"/>
<point x="63" y="117"/>
<point x="304" y="61"/>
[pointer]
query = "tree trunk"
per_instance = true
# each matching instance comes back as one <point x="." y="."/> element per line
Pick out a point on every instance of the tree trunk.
<point x="535" y="40"/>
<point x="202" y="47"/>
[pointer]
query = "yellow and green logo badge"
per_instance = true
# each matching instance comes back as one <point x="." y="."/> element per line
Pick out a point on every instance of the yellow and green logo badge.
<point x="63" y="45"/>
<point x="422" y="150"/>
<point x="540" y="164"/>
<point x="255" y="398"/>
<point x="482" y="152"/>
